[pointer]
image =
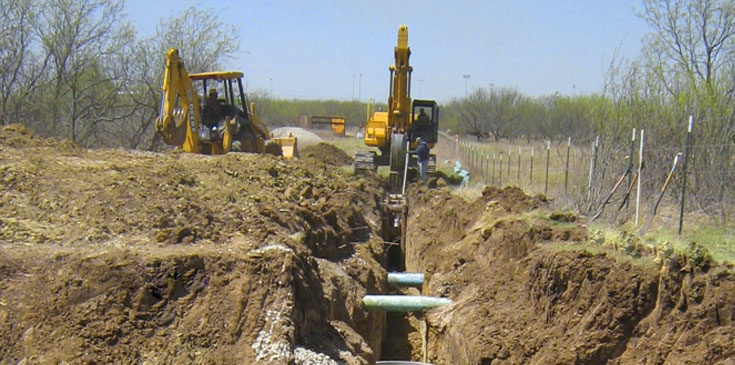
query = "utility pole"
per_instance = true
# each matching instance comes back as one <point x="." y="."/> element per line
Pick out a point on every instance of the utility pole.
<point x="359" y="88"/>
<point x="353" y="86"/>
<point x="466" y="77"/>
<point x="247" y="52"/>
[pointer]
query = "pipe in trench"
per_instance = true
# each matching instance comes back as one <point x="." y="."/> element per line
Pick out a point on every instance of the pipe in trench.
<point x="397" y="279"/>
<point x="402" y="303"/>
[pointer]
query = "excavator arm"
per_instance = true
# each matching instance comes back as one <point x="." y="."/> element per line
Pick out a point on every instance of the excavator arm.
<point x="399" y="102"/>
<point x="179" y="110"/>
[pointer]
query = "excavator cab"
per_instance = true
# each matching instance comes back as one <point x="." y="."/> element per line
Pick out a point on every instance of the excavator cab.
<point x="250" y="133"/>
<point x="425" y="124"/>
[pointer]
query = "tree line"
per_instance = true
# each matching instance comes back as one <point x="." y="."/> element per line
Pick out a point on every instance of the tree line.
<point x="686" y="68"/>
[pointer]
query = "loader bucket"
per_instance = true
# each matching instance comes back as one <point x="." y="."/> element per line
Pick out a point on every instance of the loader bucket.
<point x="288" y="146"/>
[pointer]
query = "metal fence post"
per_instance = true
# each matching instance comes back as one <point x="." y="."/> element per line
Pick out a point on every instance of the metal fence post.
<point x="492" y="176"/>
<point x="530" y="174"/>
<point x="509" y="153"/>
<point x="500" y="171"/>
<point x="566" y="169"/>
<point x="638" y="190"/>
<point x="684" y="184"/>
<point x="519" y="166"/>
<point x="593" y="160"/>
<point x="548" y="156"/>
<point x="630" y="165"/>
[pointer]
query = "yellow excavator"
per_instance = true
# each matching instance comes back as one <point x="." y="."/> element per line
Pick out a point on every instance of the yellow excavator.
<point x="222" y="123"/>
<point x="394" y="132"/>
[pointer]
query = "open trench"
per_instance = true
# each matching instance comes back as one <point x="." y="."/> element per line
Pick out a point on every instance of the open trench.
<point x="517" y="299"/>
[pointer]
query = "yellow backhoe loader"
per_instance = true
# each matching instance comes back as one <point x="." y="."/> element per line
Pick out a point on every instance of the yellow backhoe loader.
<point x="222" y="123"/>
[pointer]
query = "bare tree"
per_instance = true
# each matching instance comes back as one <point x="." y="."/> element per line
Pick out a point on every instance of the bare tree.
<point x="82" y="40"/>
<point x="691" y="34"/>
<point x="490" y="112"/>
<point x="19" y="73"/>
<point x="205" y="43"/>
<point x="690" y="52"/>
<point x="476" y="113"/>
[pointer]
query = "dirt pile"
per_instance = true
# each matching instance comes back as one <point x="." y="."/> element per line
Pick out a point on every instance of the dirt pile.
<point x="524" y="292"/>
<point x="113" y="256"/>
<point x="327" y="153"/>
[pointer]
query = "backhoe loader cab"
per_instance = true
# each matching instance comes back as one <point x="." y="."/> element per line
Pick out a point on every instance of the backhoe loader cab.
<point x="223" y="100"/>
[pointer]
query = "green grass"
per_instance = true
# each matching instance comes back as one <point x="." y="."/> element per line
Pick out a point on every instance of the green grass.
<point x="596" y="250"/>
<point x="350" y="145"/>
<point x="535" y="182"/>
<point x="720" y="242"/>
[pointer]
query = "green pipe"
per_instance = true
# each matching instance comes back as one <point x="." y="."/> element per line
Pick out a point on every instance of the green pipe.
<point x="397" y="279"/>
<point x="402" y="303"/>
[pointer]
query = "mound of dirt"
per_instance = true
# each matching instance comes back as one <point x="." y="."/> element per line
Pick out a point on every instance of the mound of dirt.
<point x="513" y="199"/>
<point x="327" y="153"/>
<point x="519" y="296"/>
<point x="113" y="256"/>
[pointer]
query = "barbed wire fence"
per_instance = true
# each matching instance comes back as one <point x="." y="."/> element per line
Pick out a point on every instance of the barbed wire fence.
<point x="606" y="178"/>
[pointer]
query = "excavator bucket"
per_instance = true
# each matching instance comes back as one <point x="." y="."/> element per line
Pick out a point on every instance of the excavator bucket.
<point x="288" y="145"/>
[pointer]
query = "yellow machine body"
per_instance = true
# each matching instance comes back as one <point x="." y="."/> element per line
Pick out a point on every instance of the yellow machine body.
<point x="394" y="132"/>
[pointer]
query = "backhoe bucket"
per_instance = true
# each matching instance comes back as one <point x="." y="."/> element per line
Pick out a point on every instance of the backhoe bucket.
<point x="288" y="146"/>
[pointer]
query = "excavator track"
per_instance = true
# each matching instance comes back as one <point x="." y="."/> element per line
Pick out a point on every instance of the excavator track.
<point x="365" y="161"/>
<point x="398" y="151"/>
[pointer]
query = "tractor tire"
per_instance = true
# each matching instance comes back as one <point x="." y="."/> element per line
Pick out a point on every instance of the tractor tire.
<point x="244" y="140"/>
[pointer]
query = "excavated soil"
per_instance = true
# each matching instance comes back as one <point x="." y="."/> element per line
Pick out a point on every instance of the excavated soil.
<point x="519" y="299"/>
<point x="327" y="153"/>
<point x="113" y="256"/>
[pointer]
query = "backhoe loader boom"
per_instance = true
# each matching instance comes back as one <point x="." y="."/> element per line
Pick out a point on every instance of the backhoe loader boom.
<point x="178" y="90"/>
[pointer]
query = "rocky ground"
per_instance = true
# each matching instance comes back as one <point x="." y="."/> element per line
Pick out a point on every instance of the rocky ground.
<point x="113" y="256"/>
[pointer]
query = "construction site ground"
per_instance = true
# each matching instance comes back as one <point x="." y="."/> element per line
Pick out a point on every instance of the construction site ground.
<point x="115" y="256"/>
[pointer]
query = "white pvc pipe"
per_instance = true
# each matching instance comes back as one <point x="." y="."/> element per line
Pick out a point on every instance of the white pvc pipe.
<point x="405" y="279"/>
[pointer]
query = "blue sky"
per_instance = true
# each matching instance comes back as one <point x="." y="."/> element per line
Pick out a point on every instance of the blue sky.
<point x="312" y="49"/>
